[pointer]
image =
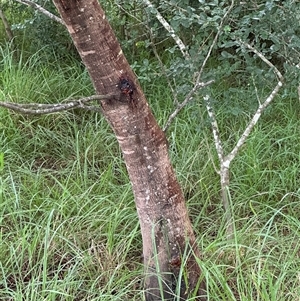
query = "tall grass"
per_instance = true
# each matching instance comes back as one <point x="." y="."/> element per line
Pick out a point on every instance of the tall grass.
<point x="69" y="229"/>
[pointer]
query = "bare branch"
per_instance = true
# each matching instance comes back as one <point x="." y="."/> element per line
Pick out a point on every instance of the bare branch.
<point x="263" y="58"/>
<point x="198" y="84"/>
<point x="215" y="129"/>
<point x="252" y="123"/>
<point x="162" y="66"/>
<point x="169" y="28"/>
<point x="7" y="28"/>
<point x="42" y="10"/>
<point x="181" y="105"/>
<point x="40" y="109"/>
<point x="214" y="42"/>
<point x="225" y="161"/>
<point x="261" y="107"/>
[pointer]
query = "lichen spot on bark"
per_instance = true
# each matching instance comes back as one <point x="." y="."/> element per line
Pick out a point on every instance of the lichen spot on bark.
<point x="120" y="53"/>
<point x="150" y="168"/>
<point x="85" y="53"/>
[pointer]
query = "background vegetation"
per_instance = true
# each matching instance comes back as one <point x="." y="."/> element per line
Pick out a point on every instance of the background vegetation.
<point x="69" y="229"/>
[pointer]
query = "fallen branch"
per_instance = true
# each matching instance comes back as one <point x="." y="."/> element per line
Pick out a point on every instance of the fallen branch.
<point x="40" y="109"/>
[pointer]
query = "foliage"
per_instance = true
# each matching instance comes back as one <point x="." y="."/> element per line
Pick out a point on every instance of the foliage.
<point x="271" y="26"/>
<point x="36" y="32"/>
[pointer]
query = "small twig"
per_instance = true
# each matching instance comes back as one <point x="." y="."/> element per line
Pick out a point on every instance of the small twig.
<point x="214" y="42"/>
<point x="40" y="109"/>
<point x="261" y="107"/>
<point x="252" y="123"/>
<point x="162" y="66"/>
<point x="42" y="10"/>
<point x="169" y="28"/>
<point x="181" y="105"/>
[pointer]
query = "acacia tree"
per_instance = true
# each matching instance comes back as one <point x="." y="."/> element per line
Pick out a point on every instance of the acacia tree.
<point x="166" y="229"/>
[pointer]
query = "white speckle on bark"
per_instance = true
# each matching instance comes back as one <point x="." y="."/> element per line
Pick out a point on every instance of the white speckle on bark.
<point x="226" y="163"/>
<point x="151" y="169"/>
<point x="120" y="53"/>
<point x="147" y="192"/>
<point x="84" y="53"/>
<point x="171" y="199"/>
<point x="128" y="152"/>
<point x="71" y="29"/>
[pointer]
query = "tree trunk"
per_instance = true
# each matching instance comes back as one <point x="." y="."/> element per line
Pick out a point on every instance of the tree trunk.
<point x="225" y="179"/>
<point x="166" y="229"/>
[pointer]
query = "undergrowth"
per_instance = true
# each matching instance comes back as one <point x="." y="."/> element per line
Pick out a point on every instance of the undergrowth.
<point x="69" y="228"/>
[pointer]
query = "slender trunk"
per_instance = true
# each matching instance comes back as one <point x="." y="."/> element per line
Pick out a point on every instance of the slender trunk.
<point x="166" y="229"/>
<point x="224" y="174"/>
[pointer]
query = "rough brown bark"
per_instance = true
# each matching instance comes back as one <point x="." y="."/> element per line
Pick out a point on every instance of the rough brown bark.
<point x="166" y="229"/>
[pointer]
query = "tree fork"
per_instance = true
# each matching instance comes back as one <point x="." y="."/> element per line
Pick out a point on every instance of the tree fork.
<point x="166" y="230"/>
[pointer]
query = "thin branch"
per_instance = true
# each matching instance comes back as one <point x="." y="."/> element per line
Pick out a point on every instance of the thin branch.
<point x="252" y="123"/>
<point x="215" y="129"/>
<point x="162" y="66"/>
<point x="261" y="107"/>
<point x="198" y="84"/>
<point x="169" y="28"/>
<point x="7" y="28"/>
<point x="263" y="58"/>
<point x="181" y="105"/>
<point x="214" y="42"/>
<point x="42" y="10"/>
<point x="40" y="109"/>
